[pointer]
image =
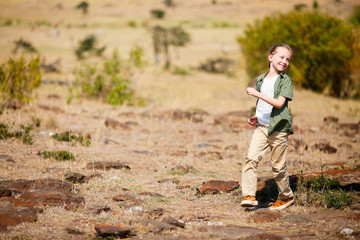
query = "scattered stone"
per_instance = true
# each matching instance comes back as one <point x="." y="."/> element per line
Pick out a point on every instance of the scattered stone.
<point x="331" y="119"/>
<point x="265" y="215"/>
<point x="173" y="221"/>
<point x="123" y="197"/>
<point x="42" y="198"/>
<point x="325" y="147"/>
<point x="107" y="165"/>
<point x="21" y="185"/>
<point x="215" y="186"/>
<point x="347" y="232"/>
<point x="135" y="209"/>
<point x="115" y="231"/>
<point x="193" y="115"/>
<point x="108" y="140"/>
<point x="267" y="236"/>
<point x="349" y="126"/>
<point x="51" y="108"/>
<point x="74" y="177"/>
<point x="144" y="152"/>
<point x="115" y="124"/>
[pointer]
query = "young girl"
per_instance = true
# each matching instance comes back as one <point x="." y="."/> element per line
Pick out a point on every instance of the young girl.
<point x="273" y="125"/>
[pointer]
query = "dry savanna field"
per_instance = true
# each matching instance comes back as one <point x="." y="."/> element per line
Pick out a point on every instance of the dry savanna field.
<point x="192" y="129"/>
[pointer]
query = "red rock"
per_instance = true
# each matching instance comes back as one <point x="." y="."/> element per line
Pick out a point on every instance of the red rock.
<point x="70" y="200"/>
<point x="265" y="215"/>
<point x="215" y="186"/>
<point x="109" y="230"/>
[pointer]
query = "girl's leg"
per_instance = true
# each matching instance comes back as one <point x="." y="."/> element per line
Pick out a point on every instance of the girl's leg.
<point x="279" y="146"/>
<point x="258" y="145"/>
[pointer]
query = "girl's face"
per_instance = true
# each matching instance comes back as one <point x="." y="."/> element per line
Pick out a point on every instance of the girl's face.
<point x="280" y="60"/>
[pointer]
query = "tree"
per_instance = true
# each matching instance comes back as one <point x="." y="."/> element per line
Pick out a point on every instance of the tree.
<point x="83" y="6"/>
<point x="165" y="37"/>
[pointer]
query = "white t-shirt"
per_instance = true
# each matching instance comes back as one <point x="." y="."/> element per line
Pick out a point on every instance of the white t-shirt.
<point x="263" y="109"/>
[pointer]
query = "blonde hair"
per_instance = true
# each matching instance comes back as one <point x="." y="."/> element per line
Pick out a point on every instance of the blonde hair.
<point x="273" y="49"/>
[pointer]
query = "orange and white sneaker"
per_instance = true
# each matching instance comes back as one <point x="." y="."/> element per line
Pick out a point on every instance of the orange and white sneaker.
<point x="281" y="204"/>
<point x="249" y="201"/>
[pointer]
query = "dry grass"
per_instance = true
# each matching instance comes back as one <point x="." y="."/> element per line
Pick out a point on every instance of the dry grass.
<point x="158" y="138"/>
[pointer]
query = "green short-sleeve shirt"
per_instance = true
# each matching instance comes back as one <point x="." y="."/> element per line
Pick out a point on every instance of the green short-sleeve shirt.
<point x="280" y="119"/>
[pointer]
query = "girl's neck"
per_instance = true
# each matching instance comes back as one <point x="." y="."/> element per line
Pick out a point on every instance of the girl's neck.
<point x="272" y="73"/>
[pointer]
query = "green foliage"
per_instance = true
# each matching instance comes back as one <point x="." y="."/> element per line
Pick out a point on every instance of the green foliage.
<point x="25" y="45"/>
<point x="337" y="199"/>
<point x="111" y="80"/>
<point x="315" y="5"/>
<point x="88" y="45"/>
<point x="58" y="155"/>
<point x="158" y="13"/>
<point x="322" y="191"/>
<point x="169" y="3"/>
<point x="68" y="136"/>
<point x="18" y="78"/>
<point x="355" y="18"/>
<point x="83" y="6"/>
<point x="322" y="50"/>
<point x="23" y="133"/>
<point x="165" y="37"/>
<point x="217" y="65"/>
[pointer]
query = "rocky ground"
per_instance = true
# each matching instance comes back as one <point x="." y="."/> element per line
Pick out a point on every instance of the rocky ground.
<point x="152" y="173"/>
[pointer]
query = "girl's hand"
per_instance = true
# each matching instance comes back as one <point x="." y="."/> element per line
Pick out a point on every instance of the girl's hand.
<point x="253" y="121"/>
<point x="252" y="92"/>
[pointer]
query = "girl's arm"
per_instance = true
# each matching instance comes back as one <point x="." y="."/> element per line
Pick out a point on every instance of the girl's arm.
<point x="277" y="103"/>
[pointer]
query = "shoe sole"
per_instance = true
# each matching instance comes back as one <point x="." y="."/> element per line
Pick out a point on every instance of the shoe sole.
<point x="282" y="207"/>
<point x="248" y="203"/>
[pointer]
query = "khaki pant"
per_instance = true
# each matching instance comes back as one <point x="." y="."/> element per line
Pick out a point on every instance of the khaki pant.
<point x="260" y="141"/>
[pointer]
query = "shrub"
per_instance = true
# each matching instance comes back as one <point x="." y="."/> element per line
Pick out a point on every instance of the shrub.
<point x="110" y="81"/>
<point x="158" y="13"/>
<point x="25" y="45"/>
<point x="217" y="65"/>
<point x="88" y="45"/>
<point x="322" y="45"/>
<point x="19" y="77"/>
<point x="83" y="6"/>
<point x="23" y="133"/>
<point x="322" y="191"/>
<point x="68" y="136"/>
<point x="58" y="155"/>
<point x="355" y="18"/>
<point x="169" y="3"/>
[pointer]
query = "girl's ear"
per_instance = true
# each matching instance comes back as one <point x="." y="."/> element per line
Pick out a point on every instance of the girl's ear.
<point x="270" y="56"/>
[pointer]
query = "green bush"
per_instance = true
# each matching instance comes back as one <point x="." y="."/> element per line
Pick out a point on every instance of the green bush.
<point x="25" y="45"/>
<point x="68" y="136"/>
<point x="158" y="13"/>
<point x="23" y="133"/>
<point x="322" y="50"/>
<point x="217" y="65"/>
<point x="321" y="191"/>
<point x="88" y="45"/>
<point x="355" y="18"/>
<point x="110" y="80"/>
<point x="58" y="155"/>
<point x="83" y="6"/>
<point x="19" y="77"/>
